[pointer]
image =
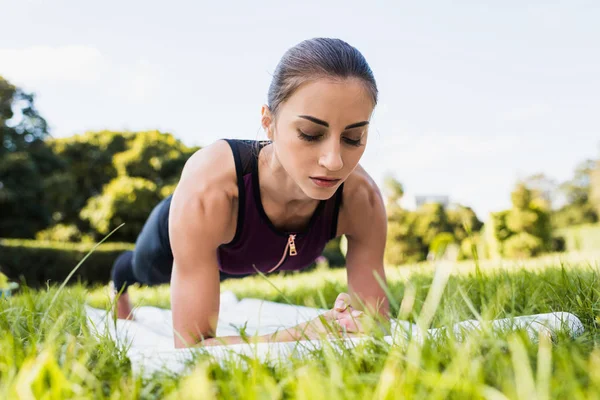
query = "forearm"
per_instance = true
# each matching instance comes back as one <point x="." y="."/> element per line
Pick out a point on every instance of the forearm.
<point x="303" y="331"/>
<point x="227" y="340"/>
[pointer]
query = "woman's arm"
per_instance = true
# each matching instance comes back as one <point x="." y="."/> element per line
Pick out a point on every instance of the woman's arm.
<point x="365" y="226"/>
<point x="195" y="283"/>
<point x="200" y="220"/>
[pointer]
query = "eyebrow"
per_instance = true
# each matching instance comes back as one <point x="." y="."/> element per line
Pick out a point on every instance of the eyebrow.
<point x="321" y="122"/>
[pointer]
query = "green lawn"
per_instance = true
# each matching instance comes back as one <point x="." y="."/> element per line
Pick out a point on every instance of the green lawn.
<point x="46" y="350"/>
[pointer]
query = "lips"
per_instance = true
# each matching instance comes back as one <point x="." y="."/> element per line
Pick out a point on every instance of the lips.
<point x="325" y="182"/>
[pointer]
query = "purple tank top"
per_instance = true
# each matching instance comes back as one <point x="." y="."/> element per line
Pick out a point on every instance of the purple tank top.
<point x="257" y="242"/>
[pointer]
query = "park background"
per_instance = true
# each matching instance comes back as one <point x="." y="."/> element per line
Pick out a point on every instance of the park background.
<point x="486" y="134"/>
<point x="485" y="139"/>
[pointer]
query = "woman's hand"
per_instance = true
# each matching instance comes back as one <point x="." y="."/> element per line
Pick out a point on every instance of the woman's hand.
<point x="346" y="317"/>
<point x="341" y="319"/>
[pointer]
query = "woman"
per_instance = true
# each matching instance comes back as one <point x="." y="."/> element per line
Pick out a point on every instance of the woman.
<point x="246" y="206"/>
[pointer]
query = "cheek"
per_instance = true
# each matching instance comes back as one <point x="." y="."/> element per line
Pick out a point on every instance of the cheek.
<point x="353" y="157"/>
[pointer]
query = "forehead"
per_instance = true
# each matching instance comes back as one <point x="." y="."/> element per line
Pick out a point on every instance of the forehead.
<point x="339" y="102"/>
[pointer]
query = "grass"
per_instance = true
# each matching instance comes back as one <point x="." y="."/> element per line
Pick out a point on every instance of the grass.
<point x="50" y="353"/>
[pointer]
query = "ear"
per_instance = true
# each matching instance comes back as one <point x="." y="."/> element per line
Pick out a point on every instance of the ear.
<point x="267" y="120"/>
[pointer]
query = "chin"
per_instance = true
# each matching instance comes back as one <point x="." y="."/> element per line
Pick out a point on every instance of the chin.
<point x="321" y="193"/>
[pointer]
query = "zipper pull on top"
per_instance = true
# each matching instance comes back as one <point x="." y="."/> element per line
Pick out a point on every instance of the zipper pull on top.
<point x="292" y="245"/>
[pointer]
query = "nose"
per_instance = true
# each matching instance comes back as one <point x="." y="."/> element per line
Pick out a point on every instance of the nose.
<point x="331" y="156"/>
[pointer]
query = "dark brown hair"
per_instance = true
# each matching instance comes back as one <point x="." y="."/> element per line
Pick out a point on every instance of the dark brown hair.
<point x="314" y="59"/>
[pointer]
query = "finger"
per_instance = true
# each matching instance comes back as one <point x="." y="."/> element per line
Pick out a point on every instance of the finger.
<point x="342" y="302"/>
<point x="352" y="322"/>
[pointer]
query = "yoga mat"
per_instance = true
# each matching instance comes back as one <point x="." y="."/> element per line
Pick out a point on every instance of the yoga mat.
<point x="149" y="337"/>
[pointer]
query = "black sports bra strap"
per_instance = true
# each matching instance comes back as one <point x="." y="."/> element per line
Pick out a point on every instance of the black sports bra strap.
<point x="248" y="150"/>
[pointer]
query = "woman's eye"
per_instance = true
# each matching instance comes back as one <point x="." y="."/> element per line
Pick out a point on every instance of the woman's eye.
<point x="352" y="142"/>
<point x="308" y="138"/>
<point x="312" y="138"/>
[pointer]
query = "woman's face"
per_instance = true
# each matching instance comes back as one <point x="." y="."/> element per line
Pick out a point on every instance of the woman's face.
<point x="321" y="132"/>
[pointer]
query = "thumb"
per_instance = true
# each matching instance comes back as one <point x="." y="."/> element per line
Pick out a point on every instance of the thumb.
<point x="342" y="302"/>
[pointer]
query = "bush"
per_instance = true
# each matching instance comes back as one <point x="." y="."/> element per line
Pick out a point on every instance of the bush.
<point x="439" y="243"/>
<point x="333" y="253"/>
<point x="523" y="245"/>
<point x="39" y="262"/>
<point x="63" y="233"/>
<point x="124" y="200"/>
<point x="466" y="247"/>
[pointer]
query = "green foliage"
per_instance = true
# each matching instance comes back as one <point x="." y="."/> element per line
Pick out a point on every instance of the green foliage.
<point x="463" y="220"/>
<point x="581" y="237"/>
<point x="155" y="156"/>
<point x="100" y="166"/>
<point x="523" y="245"/>
<point x="440" y="242"/>
<point x="525" y="230"/>
<point x="88" y="167"/>
<point x="39" y="262"/>
<point x="333" y="254"/>
<point x="21" y="126"/>
<point x="25" y="164"/>
<point x="403" y="245"/>
<point x="50" y="351"/>
<point x="410" y="234"/>
<point x="393" y="190"/>
<point x="470" y="244"/>
<point x="3" y="281"/>
<point x="124" y="200"/>
<point x="63" y="233"/>
<point x="20" y="193"/>
<point x="581" y="192"/>
<point x="574" y="214"/>
<point x="594" y="192"/>
<point x="431" y="219"/>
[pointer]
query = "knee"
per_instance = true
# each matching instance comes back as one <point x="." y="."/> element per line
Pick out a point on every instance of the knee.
<point x="141" y="267"/>
<point x="122" y="271"/>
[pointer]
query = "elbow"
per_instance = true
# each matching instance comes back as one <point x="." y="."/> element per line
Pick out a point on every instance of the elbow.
<point x="184" y="343"/>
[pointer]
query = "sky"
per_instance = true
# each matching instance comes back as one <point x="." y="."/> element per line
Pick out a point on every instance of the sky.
<point x="473" y="95"/>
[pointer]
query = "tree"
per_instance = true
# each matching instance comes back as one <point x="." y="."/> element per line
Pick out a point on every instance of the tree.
<point x="462" y="220"/>
<point x="158" y="157"/>
<point x="595" y="189"/>
<point x="581" y="204"/>
<point x="543" y="188"/>
<point x="88" y="166"/>
<point x="525" y="229"/>
<point x="126" y="200"/>
<point x="26" y="163"/>
<point x="22" y="128"/>
<point x="431" y="220"/>
<point x="393" y="190"/>
<point x="403" y="245"/>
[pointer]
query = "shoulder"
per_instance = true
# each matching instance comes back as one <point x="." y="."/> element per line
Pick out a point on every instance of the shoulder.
<point x="362" y="203"/>
<point x="208" y="185"/>
<point x="210" y="168"/>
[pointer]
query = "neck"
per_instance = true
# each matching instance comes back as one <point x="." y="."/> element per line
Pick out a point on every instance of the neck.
<point x="276" y="186"/>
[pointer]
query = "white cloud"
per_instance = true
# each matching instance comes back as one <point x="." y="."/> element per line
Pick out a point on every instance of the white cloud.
<point x="39" y="68"/>
<point x="43" y="64"/>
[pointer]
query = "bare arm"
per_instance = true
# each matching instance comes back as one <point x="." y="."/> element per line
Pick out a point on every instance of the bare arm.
<point x="366" y="234"/>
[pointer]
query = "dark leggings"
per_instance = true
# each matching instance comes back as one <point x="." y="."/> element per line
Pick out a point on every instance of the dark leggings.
<point x="151" y="261"/>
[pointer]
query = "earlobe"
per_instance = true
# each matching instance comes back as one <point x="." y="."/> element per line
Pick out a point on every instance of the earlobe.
<point x="266" y="121"/>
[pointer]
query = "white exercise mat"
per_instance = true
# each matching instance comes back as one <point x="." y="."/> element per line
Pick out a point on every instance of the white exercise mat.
<point x="149" y="337"/>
